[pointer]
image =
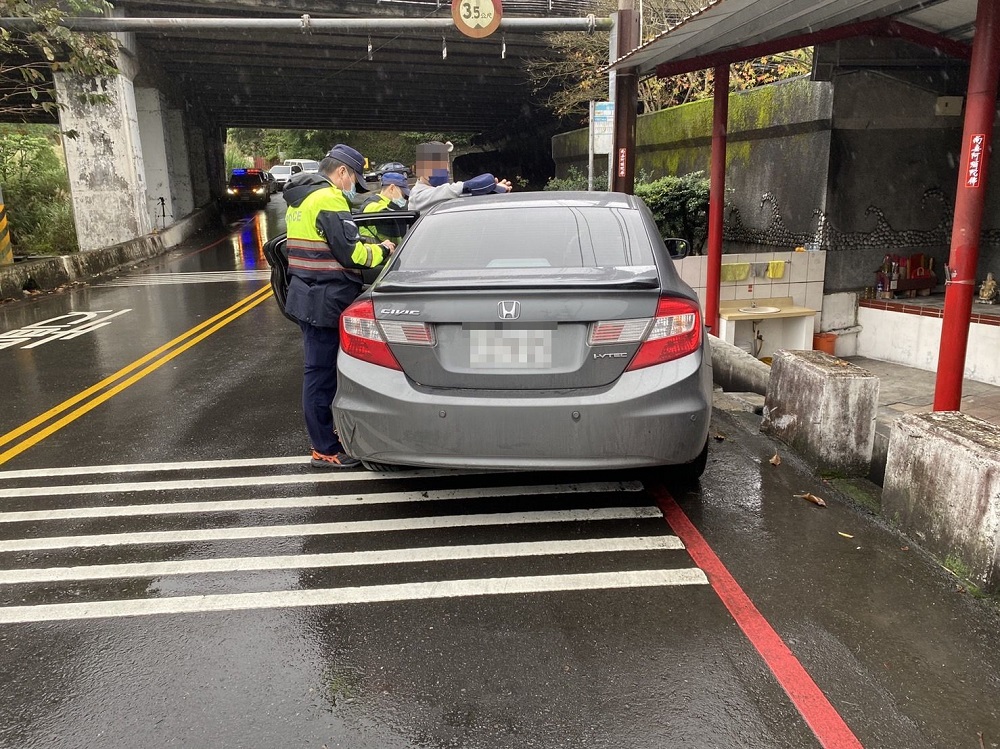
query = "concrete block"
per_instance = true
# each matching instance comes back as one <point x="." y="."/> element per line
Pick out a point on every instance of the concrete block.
<point x="942" y="487"/>
<point x="824" y="408"/>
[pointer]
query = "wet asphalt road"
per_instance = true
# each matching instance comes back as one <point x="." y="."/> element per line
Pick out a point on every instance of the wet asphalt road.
<point x="413" y="610"/>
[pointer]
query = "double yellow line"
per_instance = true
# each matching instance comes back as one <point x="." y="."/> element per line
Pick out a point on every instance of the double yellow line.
<point x="111" y="386"/>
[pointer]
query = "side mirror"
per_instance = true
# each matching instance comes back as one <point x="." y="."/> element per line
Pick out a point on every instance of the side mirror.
<point x="678" y="248"/>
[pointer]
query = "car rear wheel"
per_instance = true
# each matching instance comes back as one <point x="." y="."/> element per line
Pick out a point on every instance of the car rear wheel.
<point x="689" y="473"/>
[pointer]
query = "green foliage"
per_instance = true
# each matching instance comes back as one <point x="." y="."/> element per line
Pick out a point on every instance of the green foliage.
<point x="36" y="191"/>
<point x="679" y="206"/>
<point x="574" y="180"/>
<point x="235" y="159"/>
<point x="27" y="58"/>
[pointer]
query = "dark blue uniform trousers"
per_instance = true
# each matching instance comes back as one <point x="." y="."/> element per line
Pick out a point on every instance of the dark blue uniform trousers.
<point x="319" y="385"/>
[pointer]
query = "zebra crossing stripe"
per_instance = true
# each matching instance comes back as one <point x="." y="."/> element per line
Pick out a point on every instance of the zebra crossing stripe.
<point x="335" y="500"/>
<point x="341" y="559"/>
<point x="187" y="484"/>
<point x="334" y="528"/>
<point x="439" y="589"/>
<point x="191" y="465"/>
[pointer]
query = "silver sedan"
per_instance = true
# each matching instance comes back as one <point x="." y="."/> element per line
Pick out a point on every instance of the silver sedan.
<point x="527" y="331"/>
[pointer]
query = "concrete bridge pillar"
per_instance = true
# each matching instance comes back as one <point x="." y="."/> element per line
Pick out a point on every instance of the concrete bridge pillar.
<point x="105" y="163"/>
<point x="156" y="152"/>
<point x="199" y="165"/>
<point x="177" y="163"/>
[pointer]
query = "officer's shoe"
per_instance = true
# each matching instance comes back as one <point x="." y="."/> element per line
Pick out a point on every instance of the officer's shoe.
<point x="340" y="460"/>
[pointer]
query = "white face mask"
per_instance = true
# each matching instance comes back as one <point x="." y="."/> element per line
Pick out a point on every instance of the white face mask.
<point x="401" y="202"/>
<point x="350" y="193"/>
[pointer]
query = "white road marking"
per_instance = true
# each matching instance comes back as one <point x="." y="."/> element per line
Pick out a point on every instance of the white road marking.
<point x="340" y="596"/>
<point x="162" y="279"/>
<point x="284" y="503"/>
<point x="191" y="465"/>
<point x="320" y="529"/>
<point x="341" y="559"/>
<point x="184" y="484"/>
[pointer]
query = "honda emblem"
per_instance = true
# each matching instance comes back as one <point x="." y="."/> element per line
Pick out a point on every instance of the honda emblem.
<point x="509" y="310"/>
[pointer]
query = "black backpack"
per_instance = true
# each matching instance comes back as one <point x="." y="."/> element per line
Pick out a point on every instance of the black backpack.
<point x="277" y="258"/>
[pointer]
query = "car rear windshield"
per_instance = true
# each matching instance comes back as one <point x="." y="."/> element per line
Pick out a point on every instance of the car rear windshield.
<point x="542" y="237"/>
<point x="280" y="169"/>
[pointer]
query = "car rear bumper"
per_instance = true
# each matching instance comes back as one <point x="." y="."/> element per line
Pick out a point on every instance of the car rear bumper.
<point x="654" y="416"/>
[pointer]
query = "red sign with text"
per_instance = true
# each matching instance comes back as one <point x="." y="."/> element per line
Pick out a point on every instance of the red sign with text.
<point x="621" y="161"/>
<point x="974" y="170"/>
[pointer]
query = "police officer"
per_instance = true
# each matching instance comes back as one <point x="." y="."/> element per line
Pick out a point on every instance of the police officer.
<point x="392" y="197"/>
<point x="325" y="255"/>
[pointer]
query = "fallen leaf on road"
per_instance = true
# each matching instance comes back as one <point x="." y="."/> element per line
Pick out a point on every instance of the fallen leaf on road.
<point x="719" y="437"/>
<point x="775" y="461"/>
<point x="845" y="535"/>
<point x="818" y="501"/>
<point x="904" y="548"/>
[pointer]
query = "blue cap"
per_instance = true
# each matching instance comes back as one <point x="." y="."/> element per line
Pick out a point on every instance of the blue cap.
<point x="397" y="179"/>
<point x="483" y="184"/>
<point x="353" y="160"/>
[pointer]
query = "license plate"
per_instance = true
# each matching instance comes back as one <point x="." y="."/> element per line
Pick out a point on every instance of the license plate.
<point x="510" y="349"/>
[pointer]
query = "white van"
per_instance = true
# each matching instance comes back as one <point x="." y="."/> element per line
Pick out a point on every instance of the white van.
<point x="307" y="165"/>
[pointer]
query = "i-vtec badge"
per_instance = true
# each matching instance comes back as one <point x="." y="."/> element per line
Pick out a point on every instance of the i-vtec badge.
<point x="612" y="355"/>
<point x="389" y="311"/>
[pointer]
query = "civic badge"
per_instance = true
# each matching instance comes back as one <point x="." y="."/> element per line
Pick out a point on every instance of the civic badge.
<point x="509" y="310"/>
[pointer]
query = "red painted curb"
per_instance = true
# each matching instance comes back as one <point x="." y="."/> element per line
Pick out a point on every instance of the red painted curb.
<point x="821" y="717"/>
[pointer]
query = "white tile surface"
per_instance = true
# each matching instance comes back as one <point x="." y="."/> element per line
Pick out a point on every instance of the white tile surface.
<point x="797" y="291"/>
<point x="743" y="291"/>
<point x="762" y="290"/>
<point x="814" y="295"/>
<point x="727" y="292"/>
<point x="797" y="271"/>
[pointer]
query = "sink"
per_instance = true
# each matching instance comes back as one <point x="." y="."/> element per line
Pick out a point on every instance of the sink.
<point x="761" y="310"/>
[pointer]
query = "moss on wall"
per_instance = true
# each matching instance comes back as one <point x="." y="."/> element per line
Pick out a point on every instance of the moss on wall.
<point x="677" y="140"/>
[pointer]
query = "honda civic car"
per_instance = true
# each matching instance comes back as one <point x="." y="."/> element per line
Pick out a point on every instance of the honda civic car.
<point x="540" y="331"/>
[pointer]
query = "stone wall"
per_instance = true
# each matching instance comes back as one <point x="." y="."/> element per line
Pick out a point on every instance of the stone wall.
<point x="893" y="176"/>
<point x="859" y="166"/>
<point x="768" y="206"/>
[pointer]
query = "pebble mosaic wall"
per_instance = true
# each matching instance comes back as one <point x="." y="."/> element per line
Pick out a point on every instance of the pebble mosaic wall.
<point x="825" y="236"/>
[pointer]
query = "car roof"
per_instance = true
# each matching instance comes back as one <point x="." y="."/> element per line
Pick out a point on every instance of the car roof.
<point x="544" y="199"/>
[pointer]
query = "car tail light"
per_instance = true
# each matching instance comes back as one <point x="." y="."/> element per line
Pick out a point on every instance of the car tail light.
<point x="361" y="337"/>
<point x="617" y="331"/>
<point x="418" y="333"/>
<point x="675" y="332"/>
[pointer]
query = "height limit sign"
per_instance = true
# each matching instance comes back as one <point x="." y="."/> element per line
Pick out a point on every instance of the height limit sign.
<point x="476" y="18"/>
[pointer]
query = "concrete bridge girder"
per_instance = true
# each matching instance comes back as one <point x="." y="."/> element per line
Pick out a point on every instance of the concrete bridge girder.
<point x="151" y="154"/>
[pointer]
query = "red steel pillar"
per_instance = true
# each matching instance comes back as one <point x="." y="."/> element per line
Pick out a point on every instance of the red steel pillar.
<point x="980" y="107"/>
<point x="717" y="197"/>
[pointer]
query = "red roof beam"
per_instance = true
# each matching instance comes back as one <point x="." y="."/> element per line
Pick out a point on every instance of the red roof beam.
<point x="877" y="27"/>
